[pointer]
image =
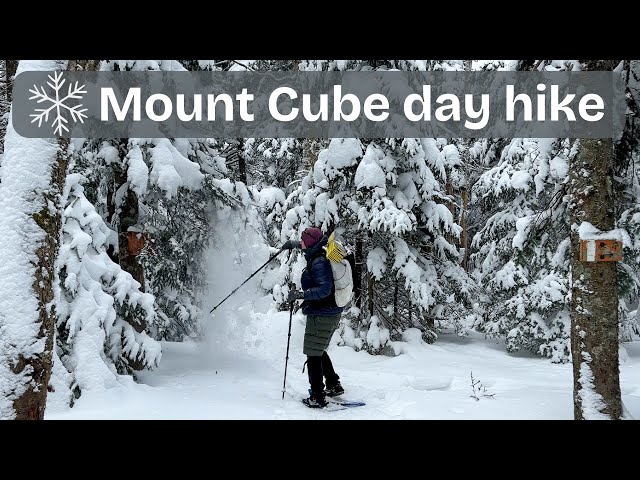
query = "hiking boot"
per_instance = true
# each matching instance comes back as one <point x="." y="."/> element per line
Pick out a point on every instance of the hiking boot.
<point x="316" y="401"/>
<point x="334" y="390"/>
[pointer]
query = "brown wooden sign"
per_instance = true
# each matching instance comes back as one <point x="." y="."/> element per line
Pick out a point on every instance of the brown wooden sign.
<point x="135" y="243"/>
<point x="600" y="251"/>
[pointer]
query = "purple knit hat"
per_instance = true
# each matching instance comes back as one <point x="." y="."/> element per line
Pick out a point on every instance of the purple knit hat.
<point x="311" y="236"/>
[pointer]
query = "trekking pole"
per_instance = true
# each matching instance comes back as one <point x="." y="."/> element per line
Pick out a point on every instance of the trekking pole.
<point x="286" y="361"/>
<point x="236" y="289"/>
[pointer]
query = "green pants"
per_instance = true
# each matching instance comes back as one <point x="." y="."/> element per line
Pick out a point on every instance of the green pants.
<point x="318" y="333"/>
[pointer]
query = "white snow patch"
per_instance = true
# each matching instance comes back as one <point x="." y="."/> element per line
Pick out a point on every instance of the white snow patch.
<point x="589" y="232"/>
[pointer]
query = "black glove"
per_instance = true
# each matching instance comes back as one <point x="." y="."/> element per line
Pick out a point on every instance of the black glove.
<point x="295" y="295"/>
<point x="291" y="244"/>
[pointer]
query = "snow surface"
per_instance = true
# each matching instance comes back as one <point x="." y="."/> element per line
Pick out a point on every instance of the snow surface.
<point x="237" y="371"/>
<point x="218" y="381"/>
<point x="589" y="232"/>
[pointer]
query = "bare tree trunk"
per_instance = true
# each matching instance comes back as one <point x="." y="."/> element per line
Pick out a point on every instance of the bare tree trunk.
<point x="464" y="215"/>
<point x="594" y="289"/>
<point x="10" y="67"/>
<point x="35" y="363"/>
<point x="464" y="239"/>
<point x="357" y="287"/>
<point x="242" y="164"/>
<point x="370" y="285"/>
<point x="112" y="219"/>
<point x="311" y="149"/>
<point x="30" y="405"/>
<point x="396" y="315"/>
<point x="129" y="218"/>
<point x="452" y="208"/>
<point x="594" y="306"/>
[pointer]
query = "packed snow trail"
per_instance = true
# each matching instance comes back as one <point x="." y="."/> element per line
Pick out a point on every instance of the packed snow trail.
<point x="237" y="372"/>
<point x="221" y="380"/>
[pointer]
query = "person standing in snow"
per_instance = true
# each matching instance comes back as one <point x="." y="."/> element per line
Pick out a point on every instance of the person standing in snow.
<point x="323" y="316"/>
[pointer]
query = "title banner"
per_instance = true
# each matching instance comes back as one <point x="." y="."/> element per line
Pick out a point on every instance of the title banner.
<point x="318" y="104"/>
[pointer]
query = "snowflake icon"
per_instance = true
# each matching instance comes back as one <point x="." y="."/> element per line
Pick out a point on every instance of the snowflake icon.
<point x="58" y="103"/>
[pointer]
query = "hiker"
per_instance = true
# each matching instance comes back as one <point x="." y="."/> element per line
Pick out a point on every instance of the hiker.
<point x="323" y="316"/>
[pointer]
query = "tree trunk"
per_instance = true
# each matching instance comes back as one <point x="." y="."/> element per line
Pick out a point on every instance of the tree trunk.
<point x="396" y="316"/>
<point x="452" y="208"/>
<point x="33" y="365"/>
<point x="124" y="216"/>
<point x="357" y="284"/>
<point x="129" y="218"/>
<point x="370" y="284"/>
<point x="31" y="404"/>
<point x="242" y="163"/>
<point x="10" y="67"/>
<point x="464" y="239"/>
<point x="594" y="306"/>
<point x="310" y="151"/>
<point x="594" y="289"/>
<point x="112" y="219"/>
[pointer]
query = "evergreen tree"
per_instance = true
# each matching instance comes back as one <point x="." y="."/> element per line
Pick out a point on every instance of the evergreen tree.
<point x="161" y="190"/>
<point x="387" y="196"/>
<point x="94" y="341"/>
<point x="521" y="252"/>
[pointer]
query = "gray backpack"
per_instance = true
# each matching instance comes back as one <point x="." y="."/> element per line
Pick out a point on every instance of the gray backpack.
<point x="341" y="269"/>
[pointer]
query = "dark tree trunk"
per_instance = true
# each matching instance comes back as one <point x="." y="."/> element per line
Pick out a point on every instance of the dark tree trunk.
<point x="594" y="306"/>
<point x="594" y="289"/>
<point x="396" y="315"/>
<point x="357" y="286"/>
<point x="112" y="219"/>
<point x="11" y="66"/>
<point x="464" y="239"/>
<point x="242" y="167"/>
<point x="452" y="208"/>
<point x="129" y="218"/>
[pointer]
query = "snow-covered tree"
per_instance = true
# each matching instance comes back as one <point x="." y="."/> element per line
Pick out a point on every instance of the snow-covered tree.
<point x="627" y="200"/>
<point x="521" y="250"/>
<point x="180" y="229"/>
<point x="162" y="190"/>
<point x="414" y="273"/>
<point x="401" y="226"/>
<point x="521" y="253"/>
<point x="386" y="201"/>
<point x="94" y="341"/>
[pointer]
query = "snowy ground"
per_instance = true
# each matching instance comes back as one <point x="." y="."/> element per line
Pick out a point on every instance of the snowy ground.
<point x="237" y="373"/>
<point x="242" y="379"/>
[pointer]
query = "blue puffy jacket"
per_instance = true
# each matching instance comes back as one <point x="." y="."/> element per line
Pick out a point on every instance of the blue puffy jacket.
<point x="317" y="282"/>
